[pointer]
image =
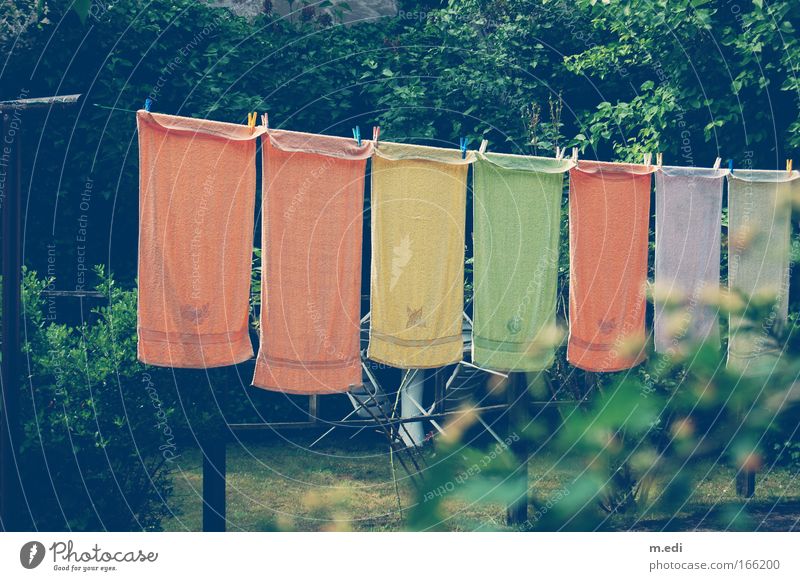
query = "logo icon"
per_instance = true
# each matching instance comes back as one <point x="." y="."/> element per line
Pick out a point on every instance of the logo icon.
<point x="31" y="554"/>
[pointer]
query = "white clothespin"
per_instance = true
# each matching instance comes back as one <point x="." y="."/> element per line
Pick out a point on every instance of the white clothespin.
<point x="265" y="120"/>
<point x="484" y="144"/>
<point x="717" y="163"/>
<point x="575" y="155"/>
<point x="376" y="133"/>
<point x="659" y="159"/>
<point x="648" y="157"/>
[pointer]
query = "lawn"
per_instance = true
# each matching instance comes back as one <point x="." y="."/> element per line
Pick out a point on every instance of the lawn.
<point x="348" y="485"/>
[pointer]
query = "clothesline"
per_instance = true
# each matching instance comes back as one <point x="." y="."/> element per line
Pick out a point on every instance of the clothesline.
<point x="646" y="161"/>
<point x="195" y="270"/>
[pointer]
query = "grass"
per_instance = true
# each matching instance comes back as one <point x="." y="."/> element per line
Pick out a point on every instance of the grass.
<point x="349" y="486"/>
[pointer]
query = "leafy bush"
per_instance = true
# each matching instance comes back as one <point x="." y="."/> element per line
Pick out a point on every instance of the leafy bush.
<point x="99" y="438"/>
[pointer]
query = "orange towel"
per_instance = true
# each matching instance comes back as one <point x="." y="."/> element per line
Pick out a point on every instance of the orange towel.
<point x="311" y="271"/>
<point x="609" y="209"/>
<point x="196" y="209"/>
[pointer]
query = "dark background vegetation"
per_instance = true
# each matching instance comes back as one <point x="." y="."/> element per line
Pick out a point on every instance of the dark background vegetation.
<point x="694" y="79"/>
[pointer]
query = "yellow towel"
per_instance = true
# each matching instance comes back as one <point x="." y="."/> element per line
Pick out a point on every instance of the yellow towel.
<point x="418" y="212"/>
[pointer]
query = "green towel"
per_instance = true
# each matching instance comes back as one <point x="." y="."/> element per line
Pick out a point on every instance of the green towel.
<point x="517" y="209"/>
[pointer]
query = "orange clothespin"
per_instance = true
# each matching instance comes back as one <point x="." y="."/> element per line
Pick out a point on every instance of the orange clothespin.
<point x="789" y="165"/>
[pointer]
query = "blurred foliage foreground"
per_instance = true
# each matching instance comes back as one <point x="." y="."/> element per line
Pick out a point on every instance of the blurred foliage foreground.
<point x="102" y="431"/>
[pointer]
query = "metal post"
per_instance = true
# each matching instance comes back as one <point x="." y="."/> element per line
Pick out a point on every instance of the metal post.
<point x="517" y="511"/>
<point x="440" y="393"/>
<point x="214" y="476"/>
<point x="11" y="499"/>
<point x="746" y="483"/>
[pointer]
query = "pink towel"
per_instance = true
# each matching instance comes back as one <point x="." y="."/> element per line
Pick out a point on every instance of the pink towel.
<point x="609" y="209"/>
<point x="311" y="271"/>
<point x="196" y="208"/>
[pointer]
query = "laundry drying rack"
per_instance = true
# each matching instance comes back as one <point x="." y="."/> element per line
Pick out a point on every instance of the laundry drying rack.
<point x="383" y="416"/>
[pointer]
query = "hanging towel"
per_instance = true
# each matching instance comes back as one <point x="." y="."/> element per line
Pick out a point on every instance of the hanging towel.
<point x="196" y="205"/>
<point x="418" y="211"/>
<point x="688" y="213"/>
<point x="759" y="241"/>
<point x="313" y="192"/>
<point x="517" y="211"/>
<point x="608" y="234"/>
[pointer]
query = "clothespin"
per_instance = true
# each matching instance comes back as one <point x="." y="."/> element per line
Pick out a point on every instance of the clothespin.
<point x="147" y="104"/>
<point x="357" y="134"/>
<point x="648" y="157"/>
<point x="463" y="141"/>
<point x="730" y="165"/>
<point x="717" y="162"/>
<point x="265" y="120"/>
<point x="484" y="144"/>
<point x="659" y="159"/>
<point x="789" y="165"/>
<point x="559" y="152"/>
<point x="376" y="133"/>
<point x="575" y="155"/>
<point x="251" y="120"/>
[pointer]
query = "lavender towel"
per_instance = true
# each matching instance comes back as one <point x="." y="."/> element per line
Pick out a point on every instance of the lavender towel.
<point x="688" y="211"/>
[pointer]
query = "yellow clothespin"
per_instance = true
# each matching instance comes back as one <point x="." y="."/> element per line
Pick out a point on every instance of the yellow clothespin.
<point x="265" y="120"/>
<point x="717" y="163"/>
<point x="659" y="159"/>
<point x="789" y="165"/>
<point x="484" y="145"/>
<point x="251" y="120"/>
<point x="376" y="133"/>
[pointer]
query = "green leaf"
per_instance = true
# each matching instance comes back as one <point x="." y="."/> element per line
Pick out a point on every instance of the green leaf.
<point x="81" y="8"/>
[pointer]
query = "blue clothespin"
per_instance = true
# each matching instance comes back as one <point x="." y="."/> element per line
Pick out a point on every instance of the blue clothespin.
<point x="147" y="104"/>
<point x="730" y="165"/>
<point x="463" y="141"/>
<point x="357" y="134"/>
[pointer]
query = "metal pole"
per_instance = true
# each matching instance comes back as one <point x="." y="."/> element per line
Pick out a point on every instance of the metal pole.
<point x="11" y="499"/>
<point x="214" y="476"/>
<point x="517" y="511"/>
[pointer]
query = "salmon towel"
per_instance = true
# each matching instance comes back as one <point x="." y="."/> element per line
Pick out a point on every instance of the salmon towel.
<point x="517" y="210"/>
<point x="609" y="206"/>
<point x="759" y="241"/>
<point x="311" y="273"/>
<point x="196" y="204"/>
<point x="688" y="213"/>
<point x="418" y="212"/>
